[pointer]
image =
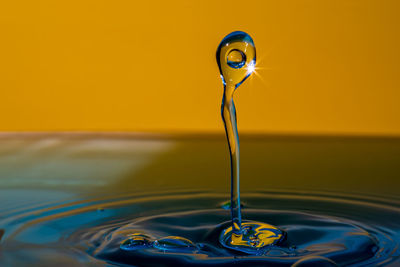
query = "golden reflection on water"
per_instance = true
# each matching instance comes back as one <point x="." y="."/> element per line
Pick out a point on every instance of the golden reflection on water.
<point x="260" y="237"/>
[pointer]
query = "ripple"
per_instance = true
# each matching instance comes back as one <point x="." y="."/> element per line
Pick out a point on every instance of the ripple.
<point x="177" y="228"/>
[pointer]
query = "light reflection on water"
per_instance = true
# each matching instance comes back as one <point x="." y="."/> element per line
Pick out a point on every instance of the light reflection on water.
<point x="53" y="187"/>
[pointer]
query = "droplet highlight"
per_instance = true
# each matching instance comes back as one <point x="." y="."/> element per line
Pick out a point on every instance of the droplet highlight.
<point x="175" y="244"/>
<point x="136" y="241"/>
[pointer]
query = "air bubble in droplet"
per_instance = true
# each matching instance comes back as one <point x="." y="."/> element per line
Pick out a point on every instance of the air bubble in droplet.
<point x="236" y="59"/>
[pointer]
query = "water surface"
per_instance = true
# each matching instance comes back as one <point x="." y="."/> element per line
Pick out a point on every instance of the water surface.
<point x="72" y="199"/>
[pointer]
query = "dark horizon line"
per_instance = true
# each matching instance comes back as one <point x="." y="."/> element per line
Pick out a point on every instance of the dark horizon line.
<point x="194" y="135"/>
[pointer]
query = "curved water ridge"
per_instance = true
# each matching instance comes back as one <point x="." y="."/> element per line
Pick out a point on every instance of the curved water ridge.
<point x="169" y="229"/>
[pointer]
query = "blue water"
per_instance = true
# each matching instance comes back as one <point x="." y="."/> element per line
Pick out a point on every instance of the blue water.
<point x="349" y="231"/>
<point x="109" y="197"/>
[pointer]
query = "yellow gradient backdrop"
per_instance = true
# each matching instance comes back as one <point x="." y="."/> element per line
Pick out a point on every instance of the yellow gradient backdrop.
<point x="328" y="66"/>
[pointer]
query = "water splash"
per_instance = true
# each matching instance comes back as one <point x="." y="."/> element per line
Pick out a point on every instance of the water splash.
<point x="253" y="238"/>
<point x="236" y="58"/>
<point x="322" y="230"/>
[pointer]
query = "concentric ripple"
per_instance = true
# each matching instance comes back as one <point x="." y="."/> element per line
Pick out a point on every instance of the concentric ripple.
<point x="173" y="229"/>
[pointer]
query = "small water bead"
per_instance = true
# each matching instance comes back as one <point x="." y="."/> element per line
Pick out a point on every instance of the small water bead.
<point x="175" y="244"/>
<point x="136" y="241"/>
<point x="100" y="209"/>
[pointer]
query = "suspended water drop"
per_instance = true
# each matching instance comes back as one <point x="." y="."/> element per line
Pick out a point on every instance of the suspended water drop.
<point x="236" y="58"/>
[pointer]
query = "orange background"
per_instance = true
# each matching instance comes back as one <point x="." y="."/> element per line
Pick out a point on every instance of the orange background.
<point x="323" y="66"/>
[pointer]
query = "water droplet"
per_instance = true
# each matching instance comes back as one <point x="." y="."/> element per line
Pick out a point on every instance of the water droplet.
<point x="176" y="244"/>
<point x="136" y="241"/>
<point x="236" y="58"/>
